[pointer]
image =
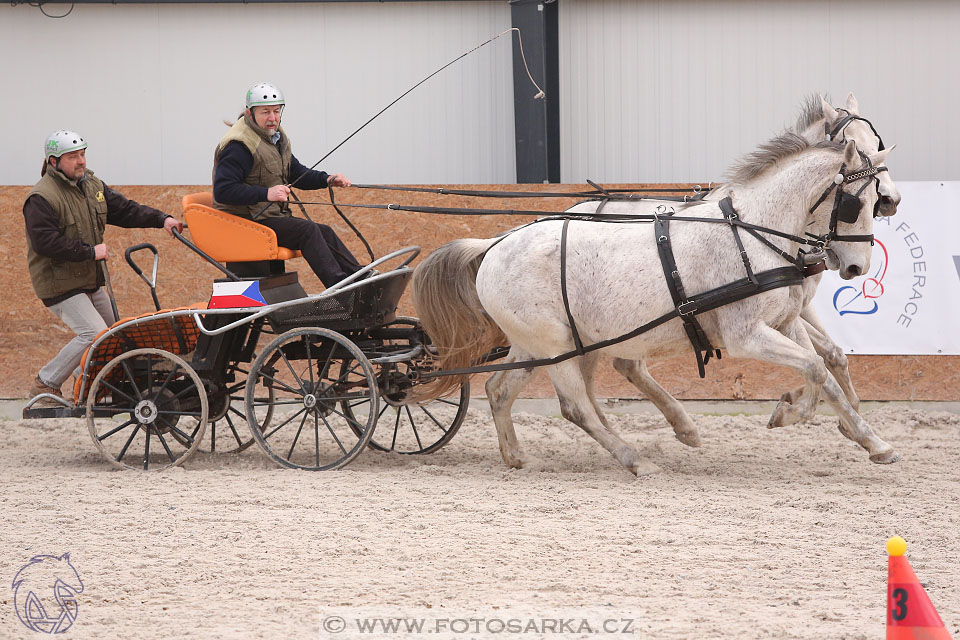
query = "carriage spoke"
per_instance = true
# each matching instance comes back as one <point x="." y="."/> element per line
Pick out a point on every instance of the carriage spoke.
<point x="437" y="422"/>
<point x="233" y="429"/>
<point x="316" y="439"/>
<point x="396" y="430"/>
<point x="163" y="387"/>
<point x="167" y="447"/>
<point x="445" y="401"/>
<point x="118" y="391"/>
<point x="297" y="437"/>
<point x="309" y="361"/>
<point x="413" y="425"/>
<point x="123" y="451"/>
<point x="326" y="363"/>
<point x="290" y="367"/>
<point x="266" y="402"/>
<point x="146" y="450"/>
<point x="133" y="381"/>
<point x="149" y="375"/>
<point x="113" y="431"/>
<point x="282" y="384"/>
<point x="183" y="434"/>
<point x="284" y="423"/>
<point x="333" y="433"/>
<point x="347" y="418"/>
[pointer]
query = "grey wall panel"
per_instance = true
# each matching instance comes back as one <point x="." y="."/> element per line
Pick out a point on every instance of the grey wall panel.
<point x="676" y="90"/>
<point x="149" y="86"/>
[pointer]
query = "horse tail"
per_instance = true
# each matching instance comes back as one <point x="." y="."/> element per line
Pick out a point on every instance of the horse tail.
<point x="444" y="292"/>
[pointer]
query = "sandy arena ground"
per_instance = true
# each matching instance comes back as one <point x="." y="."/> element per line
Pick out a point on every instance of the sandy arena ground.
<point x="758" y="534"/>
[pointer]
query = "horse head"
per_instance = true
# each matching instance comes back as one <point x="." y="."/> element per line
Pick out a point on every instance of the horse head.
<point x="847" y="124"/>
<point x="847" y="216"/>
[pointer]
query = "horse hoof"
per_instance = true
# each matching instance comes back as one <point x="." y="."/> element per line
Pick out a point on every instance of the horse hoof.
<point x="689" y="438"/>
<point x="887" y="457"/>
<point x="776" y="420"/>
<point x="644" y="468"/>
<point x="513" y="461"/>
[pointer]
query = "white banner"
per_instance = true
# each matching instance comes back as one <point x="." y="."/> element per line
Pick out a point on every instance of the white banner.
<point x="909" y="302"/>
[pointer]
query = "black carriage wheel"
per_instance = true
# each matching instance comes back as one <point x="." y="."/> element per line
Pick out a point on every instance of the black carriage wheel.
<point x="408" y="427"/>
<point x="227" y="431"/>
<point x="147" y="409"/>
<point x="305" y="374"/>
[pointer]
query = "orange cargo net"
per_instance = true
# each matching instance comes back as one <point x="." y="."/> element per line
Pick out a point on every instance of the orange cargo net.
<point x="176" y="334"/>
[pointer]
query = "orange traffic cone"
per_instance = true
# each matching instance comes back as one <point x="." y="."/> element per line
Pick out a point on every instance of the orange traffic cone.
<point x="910" y="614"/>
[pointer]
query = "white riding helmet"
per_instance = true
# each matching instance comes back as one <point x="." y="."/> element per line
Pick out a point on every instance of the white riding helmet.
<point x="61" y="142"/>
<point x="263" y="94"/>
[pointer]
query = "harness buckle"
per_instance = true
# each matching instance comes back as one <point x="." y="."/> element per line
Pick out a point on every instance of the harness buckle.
<point x="688" y="311"/>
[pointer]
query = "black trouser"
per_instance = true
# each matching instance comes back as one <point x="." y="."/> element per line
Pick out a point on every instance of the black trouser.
<point x="321" y="248"/>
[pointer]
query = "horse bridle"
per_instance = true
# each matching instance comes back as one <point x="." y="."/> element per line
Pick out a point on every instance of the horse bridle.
<point x="839" y="129"/>
<point x="847" y="206"/>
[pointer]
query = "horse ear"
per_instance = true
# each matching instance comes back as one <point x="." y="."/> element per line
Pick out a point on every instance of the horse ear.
<point x="829" y="113"/>
<point x="850" y="153"/>
<point x="852" y="105"/>
<point x="878" y="158"/>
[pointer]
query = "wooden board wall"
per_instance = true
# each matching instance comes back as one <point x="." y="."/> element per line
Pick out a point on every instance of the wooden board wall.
<point x="31" y="335"/>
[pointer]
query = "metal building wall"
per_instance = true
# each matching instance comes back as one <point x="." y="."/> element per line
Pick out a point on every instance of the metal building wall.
<point x="148" y="85"/>
<point x="675" y="90"/>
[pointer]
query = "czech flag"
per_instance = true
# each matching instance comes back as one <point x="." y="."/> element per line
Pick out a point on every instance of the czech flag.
<point x="236" y="295"/>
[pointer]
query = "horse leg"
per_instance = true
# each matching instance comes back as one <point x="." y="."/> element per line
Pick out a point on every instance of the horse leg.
<point x="833" y="358"/>
<point x="683" y="426"/>
<point x="833" y="355"/>
<point x="576" y="407"/>
<point x="588" y="366"/>
<point x="769" y="345"/>
<point x="502" y="389"/>
<point x="853" y="426"/>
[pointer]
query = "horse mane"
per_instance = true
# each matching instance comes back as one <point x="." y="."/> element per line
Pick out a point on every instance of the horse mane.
<point x="784" y="146"/>
<point x="811" y="111"/>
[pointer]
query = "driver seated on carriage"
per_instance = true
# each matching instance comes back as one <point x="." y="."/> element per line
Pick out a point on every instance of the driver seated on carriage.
<point x="253" y="168"/>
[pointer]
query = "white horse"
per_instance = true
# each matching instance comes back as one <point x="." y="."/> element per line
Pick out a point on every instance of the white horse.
<point x="473" y="295"/>
<point x="816" y="119"/>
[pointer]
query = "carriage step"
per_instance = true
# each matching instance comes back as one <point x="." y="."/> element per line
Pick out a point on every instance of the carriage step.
<point x="35" y="413"/>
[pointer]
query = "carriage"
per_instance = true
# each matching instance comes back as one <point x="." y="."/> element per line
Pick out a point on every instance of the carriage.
<point x="312" y="375"/>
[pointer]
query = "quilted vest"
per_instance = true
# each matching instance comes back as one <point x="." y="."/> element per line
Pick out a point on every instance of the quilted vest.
<point x="82" y="213"/>
<point x="271" y="166"/>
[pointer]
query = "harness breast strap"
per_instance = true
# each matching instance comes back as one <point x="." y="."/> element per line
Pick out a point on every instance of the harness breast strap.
<point x="701" y="344"/>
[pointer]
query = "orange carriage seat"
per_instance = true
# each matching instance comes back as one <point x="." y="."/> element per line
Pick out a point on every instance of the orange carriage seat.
<point x="229" y="238"/>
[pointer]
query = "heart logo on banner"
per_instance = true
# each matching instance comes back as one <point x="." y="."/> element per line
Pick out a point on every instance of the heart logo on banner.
<point x="863" y="302"/>
<point x="848" y="300"/>
<point x="872" y="288"/>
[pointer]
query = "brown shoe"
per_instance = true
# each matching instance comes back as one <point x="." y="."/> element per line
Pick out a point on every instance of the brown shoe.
<point x="38" y="388"/>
